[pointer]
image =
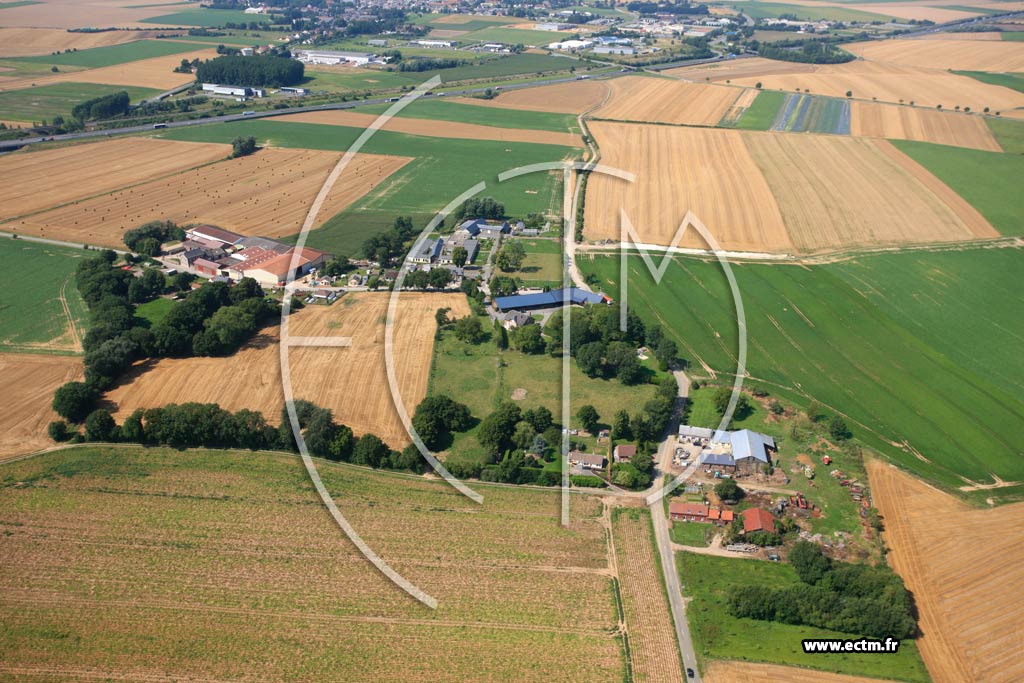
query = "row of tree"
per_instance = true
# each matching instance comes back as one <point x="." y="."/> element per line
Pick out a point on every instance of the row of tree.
<point x="256" y="71"/>
<point x="839" y="596"/>
<point x="102" y="107"/>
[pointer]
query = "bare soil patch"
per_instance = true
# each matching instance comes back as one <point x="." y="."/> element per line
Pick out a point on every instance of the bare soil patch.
<point x="562" y="98"/>
<point x="660" y="100"/>
<point x="351" y="381"/>
<point x="267" y="194"/>
<point x="959" y="562"/>
<point x="27" y="383"/>
<point x="36" y="180"/>
<point x="438" y="129"/>
<point x="707" y="171"/>
<point x="870" y="119"/>
<point x="746" y="672"/>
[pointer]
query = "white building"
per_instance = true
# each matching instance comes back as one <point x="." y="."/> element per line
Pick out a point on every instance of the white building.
<point x="331" y="57"/>
<point x="233" y="90"/>
<point x="570" y="45"/>
<point x="551" y="26"/>
<point x="614" y="50"/>
<point x="434" y="43"/>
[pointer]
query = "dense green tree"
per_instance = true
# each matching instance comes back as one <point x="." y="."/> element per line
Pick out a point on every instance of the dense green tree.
<point x="590" y="359"/>
<point x="809" y="561"/>
<point x="540" y="418"/>
<point x="620" y="426"/>
<point x="243" y="147"/>
<point x="500" y="336"/>
<point x="469" y="330"/>
<point x="527" y="339"/>
<point x="511" y="256"/>
<point x="100" y="426"/>
<point x="495" y="432"/>
<point x="588" y="417"/>
<point x="252" y="72"/>
<point x="729" y="490"/>
<point x="837" y="429"/>
<point x="370" y="451"/>
<point x="59" y="431"/>
<point x="460" y="256"/>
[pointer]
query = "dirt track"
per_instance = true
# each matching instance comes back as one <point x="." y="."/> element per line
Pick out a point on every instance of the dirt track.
<point x="965" y="567"/>
<point x="27" y="383"/>
<point x="871" y="119"/>
<point x="267" y="194"/>
<point x="350" y="381"/>
<point x="438" y="129"/>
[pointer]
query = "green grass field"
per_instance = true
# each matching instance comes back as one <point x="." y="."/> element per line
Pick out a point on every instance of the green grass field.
<point x="693" y="534"/>
<point x="482" y="377"/>
<point x="812" y="114"/>
<point x="207" y="18"/>
<point x="512" y="65"/>
<point x="322" y="79"/>
<point x="481" y="115"/>
<point x="891" y="341"/>
<point x="236" y="38"/>
<point x="761" y="114"/>
<point x="708" y="581"/>
<point x="475" y="24"/>
<point x="1013" y="81"/>
<point x="114" y="54"/>
<point x="442" y="169"/>
<point x="34" y="278"/>
<point x="765" y="10"/>
<point x="47" y="101"/>
<point x="514" y="36"/>
<point x="990" y="181"/>
<point x="224" y="565"/>
<point x="1016" y="36"/>
<point x="1009" y="133"/>
<point x="154" y="311"/>
<point x="542" y="265"/>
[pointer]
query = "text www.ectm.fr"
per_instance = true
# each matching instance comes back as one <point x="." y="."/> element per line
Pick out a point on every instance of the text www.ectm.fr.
<point x="824" y="645"/>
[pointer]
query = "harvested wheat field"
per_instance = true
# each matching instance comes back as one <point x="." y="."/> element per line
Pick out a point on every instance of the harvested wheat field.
<point x="659" y="100"/>
<point x="873" y="120"/>
<point x="837" y="192"/>
<point x="965" y="55"/>
<point x="717" y="72"/>
<point x="27" y="383"/>
<point x="438" y="129"/>
<point x="23" y="42"/>
<point x="64" y="14"/>
<point x="652" y="635"/>
<point x="919" y="12"/>
<point x="350" y="381"/>
<point x="707" y="171"/>
<point x="965" y="568"/>
<point x="266" y="194"/>
<point x="894" y="83"/>
<point x="719" y="671"/>
<point x="157" y="72"/>
<point x="34" y="181"/>
<point x="745" y="99"/>
<point x="562" y="98"/>
<point x="966" y="35"/>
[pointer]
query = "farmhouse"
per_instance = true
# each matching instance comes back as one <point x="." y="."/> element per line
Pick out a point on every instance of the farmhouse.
<point x="552" y="299"/>
<point x="720" y="517"/>
<point x="624" y="452"/>
<point x="679" y="511"/>
<point x="333" y="57"/>
<point x="756" y="519"/>
<point x="478" y="227"/>
<point x="428" y="252"/>
<point x="446" y="257"/>
<point x="514" y="319"/>
<point x="275" y="271"/>
<point x="588" y="461"/>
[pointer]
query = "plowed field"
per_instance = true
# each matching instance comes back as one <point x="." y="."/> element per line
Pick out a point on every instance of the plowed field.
<point x="267" y="194"/>
<point x="962" y="565"/>
<point x="658" y="100"/>
<point x="869" y="119"/>
<point x="27" y="383"/>
<point x="350" y="381"/>
<point x="34" y="181"/>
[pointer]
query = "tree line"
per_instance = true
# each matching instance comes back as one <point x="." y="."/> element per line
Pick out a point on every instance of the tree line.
<point x="102" y="107"/>
<point x="256" y="71"/>
<point x="839" y="596"/>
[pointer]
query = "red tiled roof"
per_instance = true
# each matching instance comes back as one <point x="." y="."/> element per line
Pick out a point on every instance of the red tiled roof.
<point x="625" y="450"/>
<point x="727" y="515"/>
<point x="756" y="519"/>
<point x="690" y="509"/>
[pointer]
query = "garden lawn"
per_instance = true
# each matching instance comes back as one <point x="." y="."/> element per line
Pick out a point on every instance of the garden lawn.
<point x="708" y="580"/>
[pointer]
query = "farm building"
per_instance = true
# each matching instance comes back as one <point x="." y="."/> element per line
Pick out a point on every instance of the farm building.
<point x="686" y="431"/>
<point x="720" y="517"/>
<point x="514" y="319"/>
<point x="446" y="256"/>
<point x="756" y="519"/>
<point x="613" y="50"/>
<point x="213" y="234"/>
<point x="233" y="90"/>
<point x="428" y="252"/>
<point x="478" y="227"/>
<point x="571" y="45"/>
<point x="744" y="450"/>
<point x="624" y="452"/>
<point x="588" y="461"/>
<point x="275" y="271"/>
<point x="434" y="43"/>
<point x="333" y="57"/>
<point x="679" y="511"/>
<point x="551" y="26"/>
<point x="552" y="299"/>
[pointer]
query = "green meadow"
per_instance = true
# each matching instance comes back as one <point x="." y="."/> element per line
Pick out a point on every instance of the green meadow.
<point x="1014" y="81"/>
<point x="761" y="113"/>
<point x="989" y="181"/>
<point x="207" y="18"/>
<point x="33" y="279"/>
<point x="514" y="36"/>
<point x="47" y="101"/>
<point x="114" y="54"/>
<point x="481" y="115"/>
<point x="1009" y="134"/>
<point x="764" y="10"/>
<point x="919" y="350"/>
<point x="709" y="580"/>
<point x="441" y="170"/>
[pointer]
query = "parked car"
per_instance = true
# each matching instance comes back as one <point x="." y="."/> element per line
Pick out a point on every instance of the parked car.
<point x="689" y="672"/>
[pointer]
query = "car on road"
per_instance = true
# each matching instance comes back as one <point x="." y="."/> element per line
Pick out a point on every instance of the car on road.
<point x="689" y="672"/>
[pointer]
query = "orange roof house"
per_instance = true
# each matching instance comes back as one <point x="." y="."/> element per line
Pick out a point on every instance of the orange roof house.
<point x="756" y="519"/>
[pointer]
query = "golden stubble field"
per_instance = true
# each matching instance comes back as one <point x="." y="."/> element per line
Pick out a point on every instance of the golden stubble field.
<point x="771" y="192"/>
<point x="659" y="100"/>
<point x="352" y="381"/>
<point x="27" y="383"/>
<point x="719" y="671"/>
<point x="965" y="567"/>
<point x="563" y="98"/>
<point x="875" y="120"/>
<point x="37" y="180"/>
<point x="962" y="55"/>
<point x="23" y="42"/>
<point x="65" y="14"/>
<point x="267" y="193"/>
<point x="157" y="73"/>
<point x="652" y="636"/>
<point x="154" y="564"/>
<point x="438" y="129"/>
